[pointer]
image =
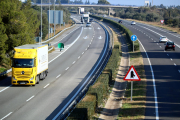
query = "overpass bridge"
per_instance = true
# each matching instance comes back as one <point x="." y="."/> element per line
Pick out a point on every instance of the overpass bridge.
<point x="89" y="5"/>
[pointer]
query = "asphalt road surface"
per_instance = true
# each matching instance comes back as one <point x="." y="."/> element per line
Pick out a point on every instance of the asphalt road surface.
<point x="165" y="66"/>
<point x="67" y="70"/>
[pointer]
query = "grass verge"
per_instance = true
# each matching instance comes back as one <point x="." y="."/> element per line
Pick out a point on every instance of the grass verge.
<point x="135" y="109"/>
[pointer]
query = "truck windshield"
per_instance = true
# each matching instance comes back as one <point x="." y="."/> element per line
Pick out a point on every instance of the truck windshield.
<point x="23" y="63"/>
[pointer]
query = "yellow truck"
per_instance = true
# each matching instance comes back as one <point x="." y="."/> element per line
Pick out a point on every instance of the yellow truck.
<point x="29" y="64"/>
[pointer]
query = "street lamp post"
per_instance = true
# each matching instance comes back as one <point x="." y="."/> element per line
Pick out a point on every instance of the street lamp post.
<point x="41" y="22"/>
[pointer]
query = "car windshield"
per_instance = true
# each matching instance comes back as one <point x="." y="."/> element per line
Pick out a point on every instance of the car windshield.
<point x="170" y="43"/>
<point x="23" y="63"/>
<point x="88" y="23"/>
<point x="163" y="37"/>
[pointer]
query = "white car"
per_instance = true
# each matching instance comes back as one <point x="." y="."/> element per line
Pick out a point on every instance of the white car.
<point x="104" y="15"/>
<point x="133" y="23"/>
<point x="163" y="39"/>
<point x="88" y="24"/>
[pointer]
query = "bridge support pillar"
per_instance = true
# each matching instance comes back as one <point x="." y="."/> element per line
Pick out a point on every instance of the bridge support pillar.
<point x="79" y="10"/>
<point x="109" y="11"/>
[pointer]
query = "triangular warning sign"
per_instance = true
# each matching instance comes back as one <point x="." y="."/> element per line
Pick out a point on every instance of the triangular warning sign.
<point x="132" y="75"/>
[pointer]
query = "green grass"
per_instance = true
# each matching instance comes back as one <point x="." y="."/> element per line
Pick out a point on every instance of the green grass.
<point x="2" y="70"/>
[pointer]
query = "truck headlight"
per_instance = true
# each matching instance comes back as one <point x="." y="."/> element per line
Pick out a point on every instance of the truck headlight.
<point x="14" y="78"/>
<point x="31" y="78"/>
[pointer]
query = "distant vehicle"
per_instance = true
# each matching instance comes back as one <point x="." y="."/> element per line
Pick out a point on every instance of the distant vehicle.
<point x="85" y="18"/>
<point x="90" y="20"/>
<point x="133" y="23"/>
<point x="169" y="45"/>
<point x="104" y="15"/>
<point x="120" y="21"/>
<point x="88" y="24"/>
<point x="163" y="39"/>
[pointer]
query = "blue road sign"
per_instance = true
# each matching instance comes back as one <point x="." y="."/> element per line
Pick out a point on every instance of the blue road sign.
<point x="133" y="37"/>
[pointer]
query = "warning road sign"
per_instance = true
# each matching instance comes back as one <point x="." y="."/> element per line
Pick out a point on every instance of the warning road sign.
<point x="162" y="21"/>
<point x="132" y="75"/>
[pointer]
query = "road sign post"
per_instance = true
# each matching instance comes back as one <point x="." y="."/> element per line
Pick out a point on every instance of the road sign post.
<point x="132" y="76"/>
<point x="133" y="38"/>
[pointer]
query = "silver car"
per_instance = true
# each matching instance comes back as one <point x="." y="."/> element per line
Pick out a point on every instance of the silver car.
<point x="133" y="23"/>
<point x="163" y="39"/>
<point x="88" y="24"/>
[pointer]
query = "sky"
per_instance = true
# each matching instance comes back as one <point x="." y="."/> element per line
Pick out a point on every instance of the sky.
<point x="141" y="2"/>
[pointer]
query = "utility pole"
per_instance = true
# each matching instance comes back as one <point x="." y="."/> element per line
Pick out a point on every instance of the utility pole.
<point x="49" y="22"/>
<point x="54" y="19"/>
<point x="41" y="22"/>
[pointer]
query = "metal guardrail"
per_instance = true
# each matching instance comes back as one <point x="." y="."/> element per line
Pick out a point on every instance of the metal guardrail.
<point x="5" y="72"/>
<point x="89" y="80"/>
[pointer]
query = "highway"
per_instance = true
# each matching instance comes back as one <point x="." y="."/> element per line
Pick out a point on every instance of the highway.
<point x="162" y="69"/>
<point x="67" y="70"/>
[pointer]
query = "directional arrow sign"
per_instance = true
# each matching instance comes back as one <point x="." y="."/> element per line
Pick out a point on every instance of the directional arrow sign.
<point x="133" y="37"/>
<point x="132" y="75"/>
<point x="100" y="37"/>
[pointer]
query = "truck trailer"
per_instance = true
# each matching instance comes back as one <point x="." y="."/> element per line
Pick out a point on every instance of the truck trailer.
<point x="29" y="64"/>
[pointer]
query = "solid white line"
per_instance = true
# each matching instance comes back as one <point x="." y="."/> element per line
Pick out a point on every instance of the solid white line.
<point x="5" y="88"/>
<point x="73" y="62"/>
<point x="68" y="47"/>
<point x="171" y="59"/>
<point x="154" y="84"/>
<point x="67" y="68"/>
<point x="78" y="57"/>
<point x="58" y="75"/>
<point x="83" y="83"/>
<point x="6" y="116"/>
<point x="83" y="53"/>
<point x="86" y="49"/>
<point x="174" y="64"/>
<point x="30" y="98"/>
<point x="46" y="85"/>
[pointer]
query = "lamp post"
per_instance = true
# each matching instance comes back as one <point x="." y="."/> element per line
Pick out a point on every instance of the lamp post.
<point x="49" y="21"/>
<point x="41" y="22"/>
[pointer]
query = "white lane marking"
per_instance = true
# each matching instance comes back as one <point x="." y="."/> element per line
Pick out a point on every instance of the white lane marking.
<point x="86" y="49"/>
<point x="174" y="64"/>
<point x="67" y="48"/>
<point x="73" y="62"/>
<point x="46" y="85"/>
<point x="160" y="46"/>
<point x="161" y="30"/>
<point x="78" y="57"/>
<point x="83" y="53"/>
<point x="67" y="68"/>
<point x="154" y="41"/>
<point x="171" y="59"/>
<point x="157" y="44"/>
<point x="159" y="35"/>
<point x="6" y="116"/>
<point x="167" y="54"/>
<point x="29" y="98"/>
<point x="58" y="75"/>
<point x="82" y="84"/>
<point x="64" y="37"/>
<point x="5" y="88"/>
<point x="154" y="84"/>
<point x="88" y="45"/>
<point x="151" y="39"/>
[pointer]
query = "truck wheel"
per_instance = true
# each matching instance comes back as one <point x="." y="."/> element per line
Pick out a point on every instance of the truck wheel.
<point x="37" y="79"/>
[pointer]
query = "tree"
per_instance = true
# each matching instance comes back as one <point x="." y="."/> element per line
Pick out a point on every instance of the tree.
<point x="103" y="2"/>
